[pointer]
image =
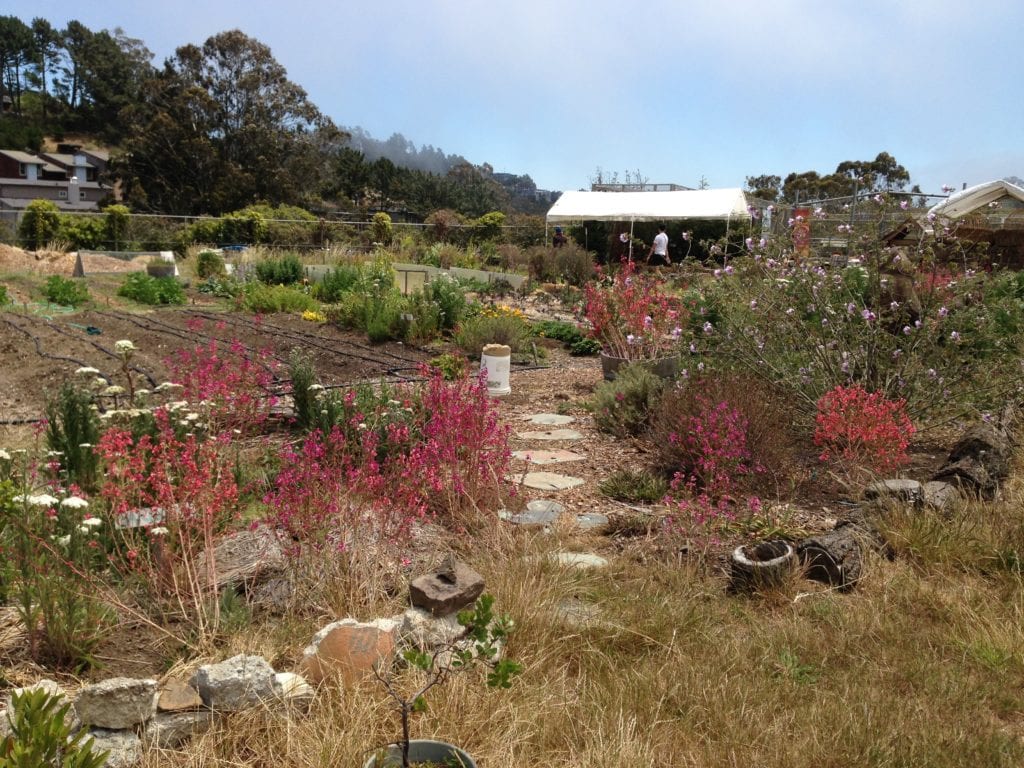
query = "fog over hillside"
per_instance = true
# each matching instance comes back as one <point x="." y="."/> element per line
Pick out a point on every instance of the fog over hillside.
<point x="403" y="152"/>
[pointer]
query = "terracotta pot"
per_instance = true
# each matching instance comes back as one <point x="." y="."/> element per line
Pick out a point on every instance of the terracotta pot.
<point x="665" y="367"/>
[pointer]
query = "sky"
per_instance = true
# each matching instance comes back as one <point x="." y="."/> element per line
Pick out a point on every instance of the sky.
<point x="680" y="91"/>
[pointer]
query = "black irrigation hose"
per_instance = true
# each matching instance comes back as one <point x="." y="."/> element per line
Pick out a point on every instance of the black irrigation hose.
<point x="149" y="324"/>
<point x="39" y="349"/>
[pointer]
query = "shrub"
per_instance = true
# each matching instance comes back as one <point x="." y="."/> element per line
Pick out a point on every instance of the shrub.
<point x="476" y="332"/>
<point x="634" y="486"/>
<point x="209" y="264"/>
<point x="141" y="287"/>
<point x="116" y="220"/>
<point x="443" y="224"/>
<point x="573" y="264"/>
<point x="623" y="407"/>
<point x="540" y="262"/>
<point x="863" y="429"/>
<point x="451" y="366"/>
<point x="380" y="228"/>
<point x="41" y="737"/>
<point x="72" y="429"/>
<point x="65" y="291"/>
<point x="268" y="299"/>
<point x="4" y="298"/>
<point x="39" y="224"/>
<point x="450" y="299"/>
<point x="304" y="387"/>
<point x="281" y="270"/>
<point x="336" y="283"/>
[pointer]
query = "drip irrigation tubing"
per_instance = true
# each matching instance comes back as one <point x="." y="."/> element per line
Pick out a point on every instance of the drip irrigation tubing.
<point x="77" y="337"/>
<point x="39" y="349"/>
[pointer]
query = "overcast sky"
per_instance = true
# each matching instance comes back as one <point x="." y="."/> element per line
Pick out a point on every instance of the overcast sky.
<point x="679" y="90"/>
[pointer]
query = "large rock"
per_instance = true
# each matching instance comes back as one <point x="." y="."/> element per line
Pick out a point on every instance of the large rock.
<point x="117" y="703"/>
<point x="293" y="691"/>
<point x="124" y="747"/>
<point x="899" y="489"/>
<point x="979" y="461"/>
<point x="349" y="649"/>
<point x="834" y="558"/>
<point x="236" y="684"/>
<point x="426" y="632"/>
<point x="245" y="558"/>
<point x="170" y="729"/>
<point x="452" y="587"/>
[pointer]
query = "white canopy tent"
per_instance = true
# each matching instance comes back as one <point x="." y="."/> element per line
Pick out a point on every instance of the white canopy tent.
<point x="717" y="204"/>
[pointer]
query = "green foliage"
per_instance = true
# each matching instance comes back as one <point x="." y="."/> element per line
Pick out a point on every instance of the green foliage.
<point x="39" y="224"/>
<point x="634" y="486"/>
<point x="585" y="347"/>
<point x="477" y="332"/>
<point x="567" y="333"/>
<point x="73" y="429"/>
<point x="488" y="226"/>
<point x="573" y="264"/>
<point x="115" y="223"/>
<point x="83" y="232"/>
<point x="222" y="286"/>
<point x="247" y="226"/>
<point x="337" y="282"/>
<point x="269" y="299"/>
<point x="303" y="376"/>
<point x="281" y="270"/>
<point x="141" y="287"/>
<point x="623" y="407"/>
<point x="450" y="299"/>
<point x="65" y="291"/>
<point x="452" y="367"/>
<point x="380" y="228"/>
<point x="4" y="298"/>
<point x="209" y="264"/>
<point x="41" y="738"/>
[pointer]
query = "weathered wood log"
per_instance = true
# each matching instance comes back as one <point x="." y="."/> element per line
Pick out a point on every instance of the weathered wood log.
<point x="834" y="558"/>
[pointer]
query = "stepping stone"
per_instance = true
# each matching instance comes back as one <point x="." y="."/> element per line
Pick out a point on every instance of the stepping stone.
<point x="551" y="419"/>
<point x="548" y="481"/>
<point x="552" y="434"/>
<point x="589" y="520"/>
<point x="538" y="512"/>
<point x="576" y="613"/>
<point x="582" y="560"/>
<point x="547" y="457"/>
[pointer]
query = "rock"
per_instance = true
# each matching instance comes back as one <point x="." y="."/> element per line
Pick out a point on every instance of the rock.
<point x="245" y="558"/>
<point x="170" y="729"/>
<point x="897" y="488"/>
<point x="424" y="631"/>
<point x="979" y="461"/>
<point x="349" y="648"/>
<point x="542" y="458"/>
<point x="552" y="434"/>
<point x="764" y="566"/>
<point x="124" y="747"/>
<point x="177" y="696"/>
<point x="590" y="520"/>
<point x="273" y="596"/>
<point x="538" y="512"/>
<point x="440" y="595"/>
<point x="582" y="560"/>
<point x="576" y="614"/>
<point x="940" y="495"/>
<point x="236" y="684"/>
<point x="834" y="558"/>
<point x="548" y="481"/>
<point x="117" y="703"/>
<point x="293" y="690"/>
<point x="550" y="419"/>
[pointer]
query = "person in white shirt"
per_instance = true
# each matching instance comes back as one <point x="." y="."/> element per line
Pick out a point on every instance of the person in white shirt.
<point x="658" y="255"/>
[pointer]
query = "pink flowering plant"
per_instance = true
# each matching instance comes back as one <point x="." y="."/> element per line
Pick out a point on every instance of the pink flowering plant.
<point x="862" y="430"/>
<point x="632" y="315"/>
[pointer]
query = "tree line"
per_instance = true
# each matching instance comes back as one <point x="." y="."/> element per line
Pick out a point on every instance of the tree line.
<point x="219" y="126"/>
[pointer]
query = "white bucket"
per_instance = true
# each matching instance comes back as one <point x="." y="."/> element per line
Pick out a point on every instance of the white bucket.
<point x="497" y="361"/>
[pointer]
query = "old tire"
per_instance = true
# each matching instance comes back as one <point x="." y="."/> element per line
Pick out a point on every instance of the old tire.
<point x="763" y="566"/>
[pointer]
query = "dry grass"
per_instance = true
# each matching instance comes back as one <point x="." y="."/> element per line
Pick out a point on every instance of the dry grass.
<point x="921" y="665"/>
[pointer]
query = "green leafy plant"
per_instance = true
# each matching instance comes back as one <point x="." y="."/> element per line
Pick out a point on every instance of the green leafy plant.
<point x="4" y="298"/>
<point x="476" y="332"/>
<point x="634" y="486"/>
<point x="39" y="224"/>
<point x="282" y="270"/>
<point x="141" y="287"/>
<point x="72" y="429"/>
<point x="40" y="736"/>
<point x="482" y="641"/>
<point x="451" y="366"/>
<point x="209" y="264"/>
<point x="623" y="407"/>
<point x="64" y="291"/>
<point x="268" y="299"/>
<point x="336" y="283"/>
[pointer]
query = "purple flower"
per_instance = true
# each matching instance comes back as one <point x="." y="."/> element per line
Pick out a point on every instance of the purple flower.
<point x="906" y="330"/>
<point x="750" y="243"/>
<point x="630" y="339"/>
<point x="717" y="273"/>
<point x="753" y="303"/>
<point x="868" y="315"/>
<point x="954" y="336"/>
<point x="693" y="348"/>
<point x="708" y="328"/>
<point x="851" y="308"/>
<point x="790" y="311"/>
<point x="904" y="204"/>
<point x="943" y="311"/>
<point x="729" y="270"/>
<point x="894" y="305"/>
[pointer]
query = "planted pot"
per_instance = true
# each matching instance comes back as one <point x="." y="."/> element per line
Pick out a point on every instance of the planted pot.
<point x="761" y="566"/>
<point x="421" y="751"/>
<point x="666" y="367"/>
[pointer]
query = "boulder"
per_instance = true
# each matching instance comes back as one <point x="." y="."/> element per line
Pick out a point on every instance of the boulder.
<point x="236" y="684"/>
<point x="293" y="691"/>
<point x="979" y="461"/>
<point x="897" y="488"/>
<point x="426" y="632"/>
<point x="124" y="747"/>
<point x="940" y="495"/>
<point x="449" y="589"/>
<point x="117" y="703"/>
<point x="168" y="730"/>
<point x="349" y="649"/>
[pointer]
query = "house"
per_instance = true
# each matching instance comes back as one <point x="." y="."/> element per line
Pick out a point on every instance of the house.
<point x="991" y="213"/>
<point x="68" y="179"/>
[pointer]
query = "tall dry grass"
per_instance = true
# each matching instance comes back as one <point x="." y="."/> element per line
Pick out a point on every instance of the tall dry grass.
<point x="921" y="665"/>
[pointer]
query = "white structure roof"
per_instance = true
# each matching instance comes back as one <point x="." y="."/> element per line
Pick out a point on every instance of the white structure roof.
<point x="972" y="198"/>
<point x="649" y="206"/>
